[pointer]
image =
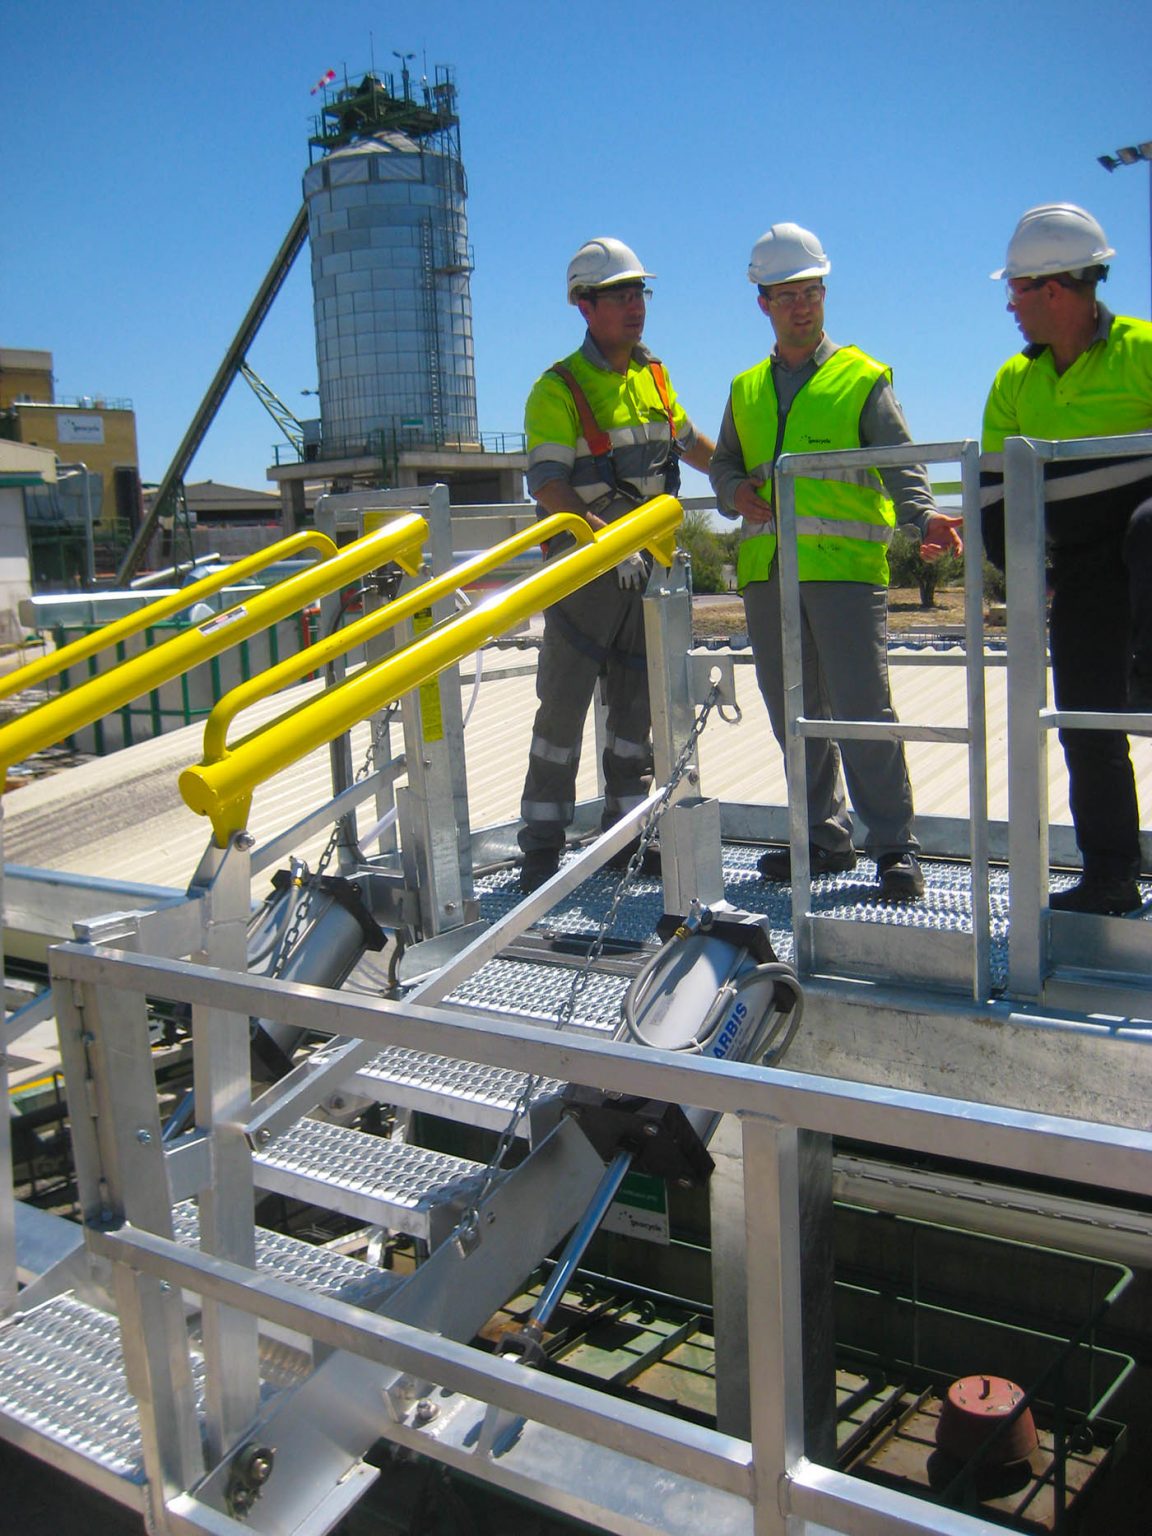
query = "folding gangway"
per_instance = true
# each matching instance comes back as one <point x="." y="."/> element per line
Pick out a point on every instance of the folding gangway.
<point x="221" y="1376"/>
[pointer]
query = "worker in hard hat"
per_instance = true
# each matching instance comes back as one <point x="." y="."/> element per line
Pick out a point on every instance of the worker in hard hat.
<point x="1084" y="372"/>
<point x="809" y="395"/>
<point x="605" y="433"/>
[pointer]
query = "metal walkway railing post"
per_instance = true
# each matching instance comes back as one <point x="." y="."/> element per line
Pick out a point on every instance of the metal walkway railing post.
<point x="435" y="834"/>
<point x="1027" y="697"/>
<point x="690" y="829"/>
<point x="222" y="1077"/>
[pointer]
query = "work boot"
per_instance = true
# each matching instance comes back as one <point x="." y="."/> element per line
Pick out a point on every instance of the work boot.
<point x="539" y="864"/>
<point x="776" y="864"/>
<point x="649" y="865"/>
<point x="1110" y="895"/>
<point x="901" y="878"/>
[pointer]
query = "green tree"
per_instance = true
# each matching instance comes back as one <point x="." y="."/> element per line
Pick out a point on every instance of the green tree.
<point x="705" y="551"/>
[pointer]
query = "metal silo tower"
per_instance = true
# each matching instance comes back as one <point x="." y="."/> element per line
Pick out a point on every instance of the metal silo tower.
<point x="390" y="269"/>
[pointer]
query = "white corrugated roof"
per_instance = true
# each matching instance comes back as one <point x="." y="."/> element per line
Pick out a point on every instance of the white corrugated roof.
<point x="121" y="817"/>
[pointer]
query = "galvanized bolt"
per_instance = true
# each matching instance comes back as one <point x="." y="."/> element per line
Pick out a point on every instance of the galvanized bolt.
<point x="144" y="1138"/>
<point x="449" y="906"/>
<point x="260" y="1464"/>
<point x="425" y="1411"/>
<point x="650" y="1129"/>
<point x="263" y="1135"/>
<point x="244" y="841"/>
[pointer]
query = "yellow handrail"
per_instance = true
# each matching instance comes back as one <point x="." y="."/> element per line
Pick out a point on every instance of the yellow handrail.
<point x="293" y="668"/>
<point x="222" y="790"/>
<point x="56" y="719"/>
<point x="162" y="608"/>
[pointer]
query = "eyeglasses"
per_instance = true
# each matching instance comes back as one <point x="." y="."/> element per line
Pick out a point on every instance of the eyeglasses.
<point x="622" y="295"/>
<point x="788" y="298"/>
<point x="1016" y="287"/>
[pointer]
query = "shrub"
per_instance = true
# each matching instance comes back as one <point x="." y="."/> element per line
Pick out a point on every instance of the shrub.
<point x="705" y="550"/>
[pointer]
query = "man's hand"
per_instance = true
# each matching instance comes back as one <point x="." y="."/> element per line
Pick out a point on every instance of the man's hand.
<point x="942" y="537"/>
<point x="749" y="505"/>
<point x="633" y="572"/>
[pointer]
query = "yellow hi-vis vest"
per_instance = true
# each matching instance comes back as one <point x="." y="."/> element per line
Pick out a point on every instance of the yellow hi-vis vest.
<point x="844" y="526"/>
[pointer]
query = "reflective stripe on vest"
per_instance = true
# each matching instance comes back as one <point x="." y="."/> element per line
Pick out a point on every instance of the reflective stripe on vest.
<point x="844" y="519"/>
<point x="1106" y="392"/>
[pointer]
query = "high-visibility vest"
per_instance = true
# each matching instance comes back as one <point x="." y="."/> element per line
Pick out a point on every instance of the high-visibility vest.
<point x="844" y="525"/>
<point x="1106" y="392"/>
<point x="599" y="441"/>
<point x="640" y="416"/>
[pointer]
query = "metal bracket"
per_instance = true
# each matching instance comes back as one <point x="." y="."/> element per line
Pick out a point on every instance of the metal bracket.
<point x="708" y="670"/>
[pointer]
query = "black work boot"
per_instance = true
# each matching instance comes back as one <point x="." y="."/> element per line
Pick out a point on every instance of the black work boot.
<point x="1109" y="895"/>
<point x="539" y="864"/>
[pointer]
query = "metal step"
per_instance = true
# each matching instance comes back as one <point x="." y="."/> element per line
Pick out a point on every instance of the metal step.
<point x="64" y="1397"/>
<point x="464" y="1091"/>
<point x="300" y="1263"/>
<point x="386" y="1183"/>
<point x="63" y="1392"/>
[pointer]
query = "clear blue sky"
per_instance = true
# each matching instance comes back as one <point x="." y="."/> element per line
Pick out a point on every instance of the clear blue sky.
<point x="151" y="155"/>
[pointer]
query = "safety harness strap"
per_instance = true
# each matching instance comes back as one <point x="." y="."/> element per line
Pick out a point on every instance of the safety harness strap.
<point x="599" y="443"/>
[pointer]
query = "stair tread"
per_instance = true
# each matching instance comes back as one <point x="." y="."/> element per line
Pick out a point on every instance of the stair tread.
<point x="466" y="1091"/>
<point x="392" y="1183"/>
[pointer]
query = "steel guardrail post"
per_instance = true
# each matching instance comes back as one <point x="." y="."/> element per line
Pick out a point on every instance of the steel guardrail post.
<point x="1027" y="697"/>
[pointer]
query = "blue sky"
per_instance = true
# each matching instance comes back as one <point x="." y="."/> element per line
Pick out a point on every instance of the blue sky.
<point x="152" y="155"/>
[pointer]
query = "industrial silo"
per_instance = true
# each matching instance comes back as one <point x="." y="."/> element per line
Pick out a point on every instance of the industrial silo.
<point x="390" y="269"/>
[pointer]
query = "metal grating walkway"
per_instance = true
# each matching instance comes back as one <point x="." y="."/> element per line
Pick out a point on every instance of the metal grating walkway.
<point x="946" y="907"/>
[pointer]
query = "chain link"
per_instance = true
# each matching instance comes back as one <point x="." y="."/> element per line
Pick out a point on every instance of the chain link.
<point x="467" y="1233"/>
<point x="310" y="883"/>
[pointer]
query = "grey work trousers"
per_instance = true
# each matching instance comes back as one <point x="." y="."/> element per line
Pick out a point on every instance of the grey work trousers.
<point x="845" y="658"/>
<point x="599" y="629"/>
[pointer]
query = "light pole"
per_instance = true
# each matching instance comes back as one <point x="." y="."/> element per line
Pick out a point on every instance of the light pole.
<point x="1132" y="154"/>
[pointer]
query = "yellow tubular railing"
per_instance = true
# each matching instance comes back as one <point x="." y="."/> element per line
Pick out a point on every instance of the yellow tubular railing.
<point x="53" y="721"/>
<point x="293" y="668"/>
<point x="162" y="608"/>
<point x="221" y="789"/>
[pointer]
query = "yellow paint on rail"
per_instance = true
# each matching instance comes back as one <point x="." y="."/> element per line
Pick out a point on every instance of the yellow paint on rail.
<point x="347" y="638"/>
<point x="222" y="788"/>
<point x="401" y="541"/>
<point x="162" y="608"/>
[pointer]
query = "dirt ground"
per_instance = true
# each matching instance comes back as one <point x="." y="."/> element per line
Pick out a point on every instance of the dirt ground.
<point x="718" y="617"/>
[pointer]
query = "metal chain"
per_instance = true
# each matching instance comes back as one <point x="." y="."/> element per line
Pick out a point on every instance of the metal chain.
<point x="467" y="1233"/>
<point x="310" y="883"/>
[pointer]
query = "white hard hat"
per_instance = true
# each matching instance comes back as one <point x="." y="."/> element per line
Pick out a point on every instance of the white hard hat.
<point x="785" y="254"/>
<point x="1055" y="237"/>
<point x="599" y="263"/>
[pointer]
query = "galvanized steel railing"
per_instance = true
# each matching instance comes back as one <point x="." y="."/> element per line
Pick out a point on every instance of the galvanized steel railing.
<point x="1033" y="926"/>
<point x="928" y="959"/>
<point x="763" y="1484"/>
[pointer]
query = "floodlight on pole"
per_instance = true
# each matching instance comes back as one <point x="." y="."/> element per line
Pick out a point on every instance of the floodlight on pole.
<point x="1133" y="154"/>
